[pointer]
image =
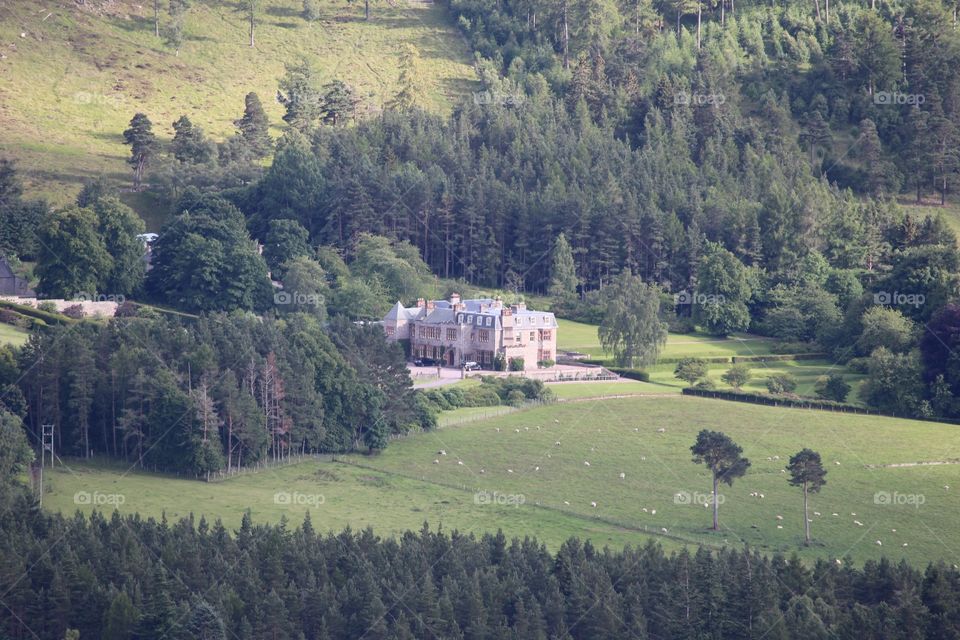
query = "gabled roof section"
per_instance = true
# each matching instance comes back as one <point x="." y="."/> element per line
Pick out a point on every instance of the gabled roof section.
<point x="396" y="313"/>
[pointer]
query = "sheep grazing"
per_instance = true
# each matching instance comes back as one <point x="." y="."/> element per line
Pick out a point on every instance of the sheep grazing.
<point x="643" y="458"/>
<point x="769" y="459"/>
<point x="835" y="514"/>
<point x="498" y="429"/>
<point x="879" y="544"/>
<point x="816" y="513"/>
<point x="460" y="462"/>
<point x="946" y="487"/>
<point x="776" y="457"/>
<point x="836" y="462"/>
<point x="838" y="561"/>
<point x="586" y="464"/>
<point x="566" y="503"/>
<point x="436" y="462"/>
<point x="442" y="452"/>
<point x="636" y="429"/>
<point x="779" y="526"/>
<point x="858" y="523"/>
<point x="753" y="494"/>
<point x="509" y="470"/>
<point x="893" y="530"/>
<point x="779" y="517"/>
<point x="482" y="471"/>
<point x="622" y="475"/>
<point x="904" y="544"/>
<point x="663" y="530"/>
<point x="557" y="443"/>
<point x="526" y="428"/>
<point x="661" y="430"/>
<point x="536" y="468"/>
<point x="653" y="512"/>
<point x="538" y="427"/>
<point x="517" y="430"/>
<point x="644" y="509"/>
<point x="762" y="496"/>
<point x="556" y="421"/>
<point x="593" y="504"/>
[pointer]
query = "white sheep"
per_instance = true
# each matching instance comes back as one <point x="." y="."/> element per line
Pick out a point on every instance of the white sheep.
<point x="776" y="457"/>
<point x="879" y="544"/>
<point x="838" y="561"/>
<point x="779" y="526"/>
<point x="557" y="443"/>
<point x="436" y="462"/>
<point x="779" y="517"/>
<point x="661" y="430"/>
<point x="593" y="504"/>
<point x="498" y="429"/>
<point x="904" y="544"/>
<point x="816" y="513"/>
<point x="663" y="530"/>
<point x="586" y="464"/>
<point x="644" y="509"/>
<point x="762" y="496"/>
<point x="556" y="421"/>
<point x="566" y="503"/>
<point x="536" y="468"/>
<point x="482" y="471"/>
<point x="442" y="452"/>
<point x="858" y="523"/>
<point x="517" y="430"/>
<point x="509" y="470"/>
<point x="622" y="475"/>
<point x="460" y="462"/>
<point x="653" y="512"/>
<point x="836" y="462"/>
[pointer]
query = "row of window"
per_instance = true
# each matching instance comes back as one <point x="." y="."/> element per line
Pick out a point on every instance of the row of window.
<point x="483" y="335"/>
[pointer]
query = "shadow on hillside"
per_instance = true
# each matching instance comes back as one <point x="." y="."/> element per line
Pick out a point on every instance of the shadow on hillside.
<point x="283" y="12"/>
<point x="286" y="25"/>
<point x="136" y="24"/>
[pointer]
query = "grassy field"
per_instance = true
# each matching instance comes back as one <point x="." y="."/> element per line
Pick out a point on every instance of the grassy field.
<point x="79" y="73"/>
<point x="576" y="336"/>
<point x="403" y="487"/>
<point x="12" y="335"/>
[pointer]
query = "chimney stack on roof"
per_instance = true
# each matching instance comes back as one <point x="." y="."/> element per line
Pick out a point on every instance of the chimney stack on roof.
<point x="421" y="302"/>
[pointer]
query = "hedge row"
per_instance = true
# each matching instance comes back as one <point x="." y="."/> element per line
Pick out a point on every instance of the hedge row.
<point x="33" y="312"/>
<point x="800" y="403"/>
<point x="633" y="374"/>
<point x="781" y="357"/>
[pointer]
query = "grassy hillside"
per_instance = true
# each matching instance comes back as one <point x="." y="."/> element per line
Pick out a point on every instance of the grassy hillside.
<point x="76" y="76"/>
<point x="403" y="487"/>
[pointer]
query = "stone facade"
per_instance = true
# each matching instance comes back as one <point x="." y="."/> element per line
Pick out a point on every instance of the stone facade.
<point x="456" y="331"/>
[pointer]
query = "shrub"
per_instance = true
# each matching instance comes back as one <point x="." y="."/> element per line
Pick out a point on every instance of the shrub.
<point x="516" y="364"/>
<point x="705" y="385"/>
<point x="737" y="376"/>
<point x="74" y="311"/>
<point x="10" y="317"/>
<point x="499" y="362"/>
<point x="546" y="364"/>
<point x="47" y="307"/>
<point x="633" y="374"/>
<point x="690" y="370"/>
<point x="781" y="383"/>
<point x="516" y="398"/>
<point x="832" y="387"/>
<point x="126" y="309"/>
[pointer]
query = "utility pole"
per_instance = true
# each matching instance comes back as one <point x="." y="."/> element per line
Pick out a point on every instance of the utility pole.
<point x="46" y="444"/>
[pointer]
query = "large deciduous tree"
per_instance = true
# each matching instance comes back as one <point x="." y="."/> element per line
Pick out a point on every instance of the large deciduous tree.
<point x="631" y="327"/>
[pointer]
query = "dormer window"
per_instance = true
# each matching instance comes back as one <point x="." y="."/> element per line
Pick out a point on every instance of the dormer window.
<point x="460" y="318"/>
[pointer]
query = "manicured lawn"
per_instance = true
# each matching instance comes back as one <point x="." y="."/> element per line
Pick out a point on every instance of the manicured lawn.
<point x="623" y="387"/>
<point x="577" y="336"/>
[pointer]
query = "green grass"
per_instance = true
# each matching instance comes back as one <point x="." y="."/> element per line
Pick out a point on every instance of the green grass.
<point x="657" y="466"/>
<point x="403" y="487"/>
<point x="336" y="495"/>
<point x="577" y="336"/>
<point x="623" y="387"/>
<point x="12" y="335"/>
<point x="73" y="83"/>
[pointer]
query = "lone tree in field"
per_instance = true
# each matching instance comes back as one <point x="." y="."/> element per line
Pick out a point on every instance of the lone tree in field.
<point x="806" y="470"/>
<point x="142" y="143"/>
<point x="722" y="456"/>
<point x="631" y="327"/>
<point x="251" y="7"/>
<point x="178" y="12"/>
<point x="690" y="370"/>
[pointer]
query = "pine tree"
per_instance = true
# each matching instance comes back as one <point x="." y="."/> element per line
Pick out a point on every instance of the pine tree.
<point x="339" y="103"/>
<point x="806" y="470"/>
<point x="412" y="91"/>
<point x="299" y="95"/>
<point x="722" y="456"/>
<point x="563" y="275"/>
<point x="254" y="127"/>
<point x="143" y="145"/>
